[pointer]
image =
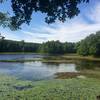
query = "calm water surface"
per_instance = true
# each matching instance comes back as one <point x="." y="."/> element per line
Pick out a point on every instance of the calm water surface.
<point x="20" y="56"/>
<point x="38" y="70"/>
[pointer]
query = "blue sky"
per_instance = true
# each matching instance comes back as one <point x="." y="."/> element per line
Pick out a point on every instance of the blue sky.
<point x="87" y="22"/>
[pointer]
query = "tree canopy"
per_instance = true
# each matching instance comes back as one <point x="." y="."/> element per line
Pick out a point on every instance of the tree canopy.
<point x="50" y="47"/>
<point x="54" y="10"/>
<point x="90" y="45"/>
<point x="17" y="46"/>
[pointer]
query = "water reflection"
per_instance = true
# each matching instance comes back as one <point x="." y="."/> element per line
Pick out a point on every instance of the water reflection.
<point x="86" y="65"/>
<point x="21" y="56"/>
<point x="35" y="70"/>
<point x="41" y="71"/>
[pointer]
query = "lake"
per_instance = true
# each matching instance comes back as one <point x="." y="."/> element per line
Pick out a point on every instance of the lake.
<point x="38" y="70"/>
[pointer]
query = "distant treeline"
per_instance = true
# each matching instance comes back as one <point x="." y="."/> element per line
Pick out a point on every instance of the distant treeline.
<point x="51" y="47"/>
<point x="17" y="46"/>
<point x="89" y="46"/>
<point x="56" y="47"/>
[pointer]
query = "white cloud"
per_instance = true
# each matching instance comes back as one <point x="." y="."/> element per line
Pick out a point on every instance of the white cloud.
<point x="94" y="14"/>
<point x="72" y="30"/>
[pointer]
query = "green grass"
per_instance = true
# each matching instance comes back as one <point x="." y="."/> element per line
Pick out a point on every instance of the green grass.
<point x="58" y="89"/>
<point x="91" y="73"/>
<point x="23" y="60"/>
<point x="78" y="57"/>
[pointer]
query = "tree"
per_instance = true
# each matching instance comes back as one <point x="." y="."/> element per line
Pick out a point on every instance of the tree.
<point x="90" y="45"/>
<point x="83" y="49"/>
<point x="69" y="47"/>
<point x="52" y="47"/>
<point x="56" y="47"/>
<point x="18" y="46"/>
<point x="54" y="10"/>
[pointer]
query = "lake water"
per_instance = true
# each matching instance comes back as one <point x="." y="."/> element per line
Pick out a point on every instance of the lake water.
<point x="38" y="70"/>
<point x="20" y="56"/>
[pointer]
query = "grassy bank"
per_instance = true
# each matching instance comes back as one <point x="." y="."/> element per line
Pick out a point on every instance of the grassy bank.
<point x="73" y="57"/>
<point x="17" y="53"/>
<point x="68" y="58"/>
<point x="78" y="57"/>
<point x="69" y="89"/>
<point x="26" y="60"/>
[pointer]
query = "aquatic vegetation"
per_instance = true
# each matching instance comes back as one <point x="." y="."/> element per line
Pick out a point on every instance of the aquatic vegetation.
<point x="58" y="89"/>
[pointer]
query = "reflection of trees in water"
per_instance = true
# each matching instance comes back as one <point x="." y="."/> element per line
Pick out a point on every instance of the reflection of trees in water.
<point x="82" y="65"/>
<point x="51" y="64"/>
<point x="53" y="57"/>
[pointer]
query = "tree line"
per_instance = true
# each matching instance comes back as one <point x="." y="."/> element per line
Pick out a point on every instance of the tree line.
<point x="51" y="47"/>
<point x="56" y="47"/>
<point x="17" y="46"/>
<point x="88" y="46"/>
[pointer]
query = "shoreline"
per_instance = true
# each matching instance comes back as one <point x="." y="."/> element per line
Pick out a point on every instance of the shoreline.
<point x="66" y="58"/>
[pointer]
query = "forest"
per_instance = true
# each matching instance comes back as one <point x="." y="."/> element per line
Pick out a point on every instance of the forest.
<point x="88" y="46"/>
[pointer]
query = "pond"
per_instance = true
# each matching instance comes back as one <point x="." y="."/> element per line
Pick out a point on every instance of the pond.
<point x="38" y="70"/>
<point x="21" y="56"/>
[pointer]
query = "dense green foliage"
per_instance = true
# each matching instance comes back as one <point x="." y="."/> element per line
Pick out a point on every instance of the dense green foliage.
<point x="15" y="46"/>
<point x="51" y="47"/>
<point x="90" y="45"/>
<point x="56" y="47"/>
<point x="53" y="9"/>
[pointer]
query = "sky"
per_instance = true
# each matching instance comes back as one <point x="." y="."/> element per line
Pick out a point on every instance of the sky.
<point x="74" y="30"/>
